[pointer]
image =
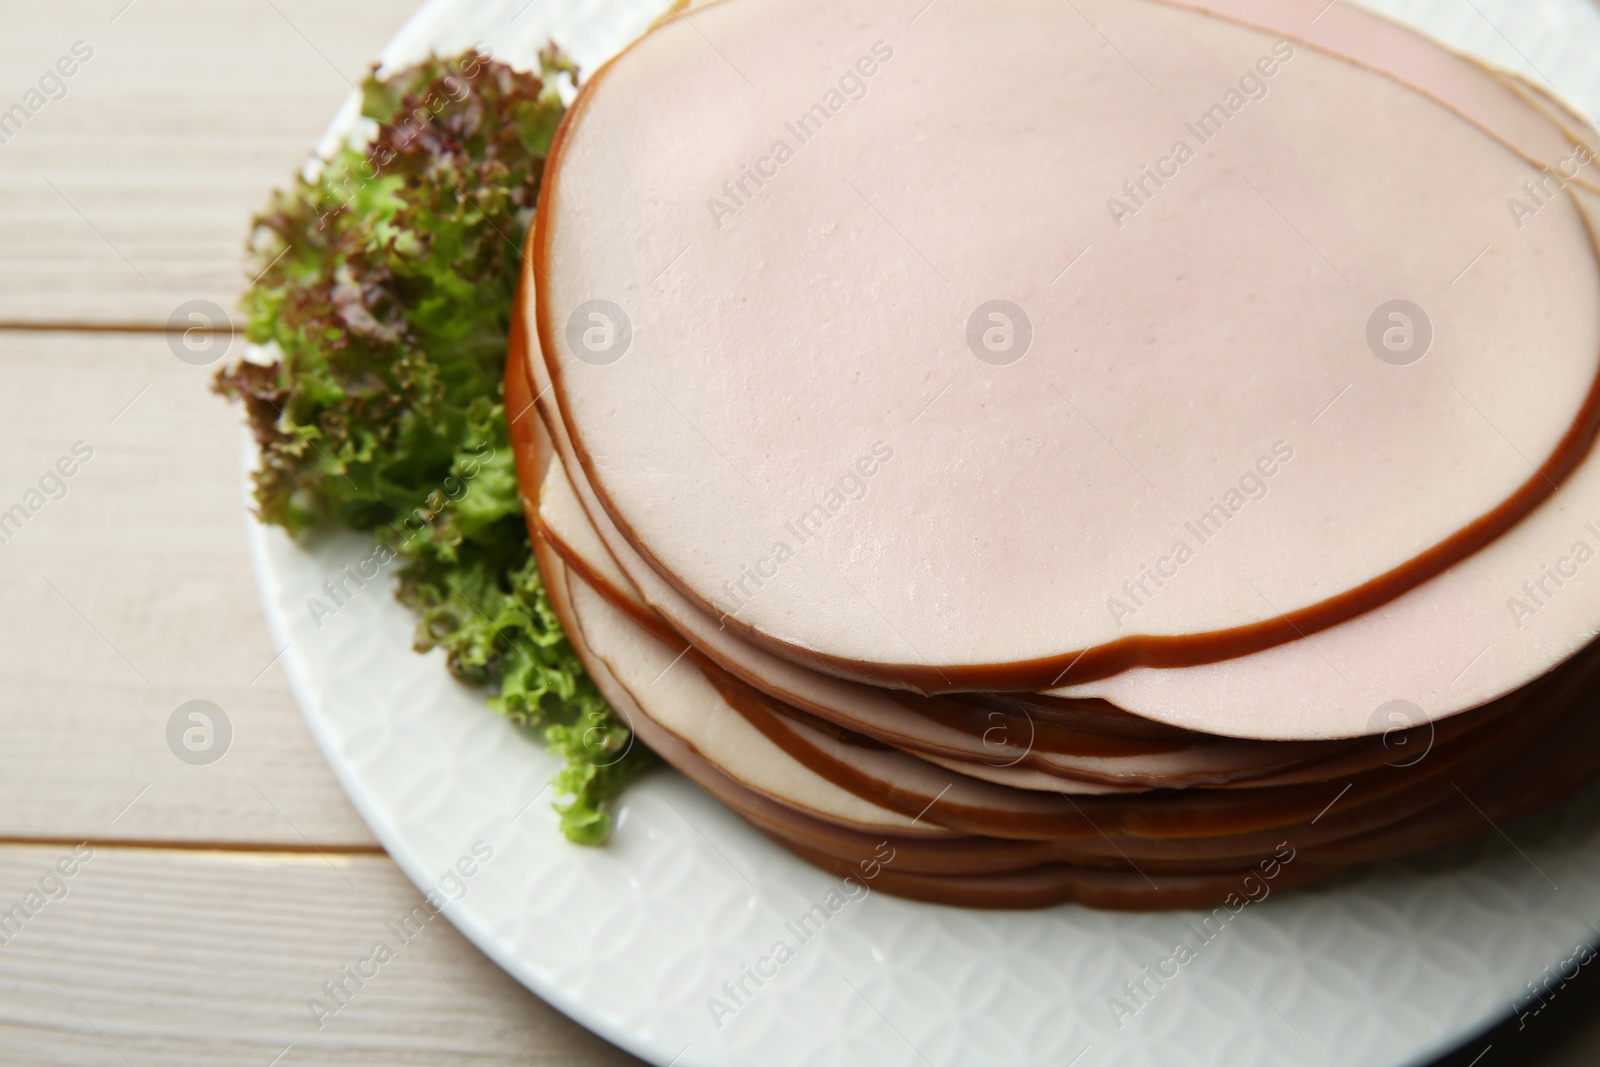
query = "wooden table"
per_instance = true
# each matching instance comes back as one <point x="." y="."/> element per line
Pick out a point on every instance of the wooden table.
<point x="218" y="898"/>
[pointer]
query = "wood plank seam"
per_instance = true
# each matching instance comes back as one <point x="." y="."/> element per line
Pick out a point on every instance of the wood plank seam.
<point x="156" y="844"/>
<point x="111" y="327"/>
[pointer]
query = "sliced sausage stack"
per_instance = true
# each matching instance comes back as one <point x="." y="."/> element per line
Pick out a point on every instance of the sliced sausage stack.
<point x="1094" y="455"/>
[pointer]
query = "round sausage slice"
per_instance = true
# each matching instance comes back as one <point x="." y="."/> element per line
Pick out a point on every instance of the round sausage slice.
<point x="1108" y="356"/>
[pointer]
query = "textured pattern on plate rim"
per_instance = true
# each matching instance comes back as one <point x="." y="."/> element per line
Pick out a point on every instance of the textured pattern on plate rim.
<point x="1390" y="965"/>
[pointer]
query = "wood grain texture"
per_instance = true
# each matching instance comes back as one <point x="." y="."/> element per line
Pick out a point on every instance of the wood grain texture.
<point x="211" y="959"/>
<point x="133" y="192"/>
<point x="130" y="595"/>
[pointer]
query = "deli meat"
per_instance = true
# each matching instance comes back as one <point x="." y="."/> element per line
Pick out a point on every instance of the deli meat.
<point x="1003" y="741"/>
<point x="1057" y="377"/>
<point x="1163" y="461"/>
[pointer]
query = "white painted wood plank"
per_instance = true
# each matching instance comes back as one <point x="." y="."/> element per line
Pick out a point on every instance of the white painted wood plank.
<point x="130" y="595"/>
<point x="210" y="959"/>
<point x="133" y="192"/>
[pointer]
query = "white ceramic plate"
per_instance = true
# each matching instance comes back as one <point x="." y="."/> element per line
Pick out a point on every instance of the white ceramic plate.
<point x="1385" y="966"/>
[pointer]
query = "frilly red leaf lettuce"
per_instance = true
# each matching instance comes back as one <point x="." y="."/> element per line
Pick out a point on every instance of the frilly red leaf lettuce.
<point x="383" y="300"/>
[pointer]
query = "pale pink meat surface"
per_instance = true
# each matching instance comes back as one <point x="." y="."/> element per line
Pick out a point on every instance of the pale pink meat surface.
<point x="789" y="337"/>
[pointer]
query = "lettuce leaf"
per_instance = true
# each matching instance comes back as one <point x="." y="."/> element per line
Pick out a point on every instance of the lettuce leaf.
<point x="383" y="296"/>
